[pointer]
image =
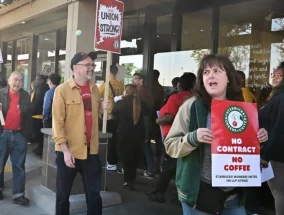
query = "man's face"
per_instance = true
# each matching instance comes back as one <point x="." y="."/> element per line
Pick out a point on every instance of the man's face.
<point x="15" y="82"/>
<point x="84" y="69"/>
<point x="137" y="81"/>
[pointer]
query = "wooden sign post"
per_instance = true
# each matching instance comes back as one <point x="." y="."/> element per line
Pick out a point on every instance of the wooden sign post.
<point x="108" y="64"/>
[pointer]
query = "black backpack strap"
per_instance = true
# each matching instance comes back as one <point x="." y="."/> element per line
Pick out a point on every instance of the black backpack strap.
<point x="112" y="90"/>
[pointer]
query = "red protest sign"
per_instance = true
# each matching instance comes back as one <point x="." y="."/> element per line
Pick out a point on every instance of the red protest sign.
<point x="109" y="22"/>
<point x="235" y="148"/>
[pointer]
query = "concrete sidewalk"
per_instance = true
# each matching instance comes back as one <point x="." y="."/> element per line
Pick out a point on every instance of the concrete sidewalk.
<point x="33" y="169"/>
<point x="134" y="202"/>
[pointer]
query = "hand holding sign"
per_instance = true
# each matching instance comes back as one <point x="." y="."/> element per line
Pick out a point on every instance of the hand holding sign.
<point x="204" y="135"/>
<point x="262" y="135"/>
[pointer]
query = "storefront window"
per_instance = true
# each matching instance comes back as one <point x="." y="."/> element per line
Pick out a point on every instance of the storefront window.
<point x="195" y="43"/>
<point x="254" y="41"/>
<point x="163" y="34"/>
<point x="22" y="59"/>
<point x="9" y="60"/>
<point x="62" y="53"/>
<point x="132" y="64"/>
<point x="46" y="52"/>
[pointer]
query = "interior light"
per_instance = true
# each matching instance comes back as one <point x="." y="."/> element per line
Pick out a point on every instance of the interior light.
<point x="6" y="2"/>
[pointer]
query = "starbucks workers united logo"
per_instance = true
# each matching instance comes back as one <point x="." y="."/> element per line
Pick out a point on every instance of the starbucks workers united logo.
<point x="235" y="119"/>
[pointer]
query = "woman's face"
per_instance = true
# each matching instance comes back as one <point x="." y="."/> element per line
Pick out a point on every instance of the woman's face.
<point x="276" y="77"/>
<point x="215" y="81"/>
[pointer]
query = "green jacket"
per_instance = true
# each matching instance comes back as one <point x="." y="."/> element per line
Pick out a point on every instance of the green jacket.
<point x="181" y="143"/>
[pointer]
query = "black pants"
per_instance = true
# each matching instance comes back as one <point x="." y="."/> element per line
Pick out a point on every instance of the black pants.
<point x="91" y="171"/>
<point x="37" y="135"/>
<point x="164" y="180"/>
<point x="47" y="123"/>
<point x="112" y="142"/>
<point x="130" y="151"/>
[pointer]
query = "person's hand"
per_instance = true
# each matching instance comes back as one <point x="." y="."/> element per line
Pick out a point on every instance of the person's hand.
<point x="204" y="135"/>
<point x="158" y="121"/>
<point x="69" y="159"/>
<point x="105" y="105"/>
<point x="263" y="163"/>
<point x="262" y="135"/>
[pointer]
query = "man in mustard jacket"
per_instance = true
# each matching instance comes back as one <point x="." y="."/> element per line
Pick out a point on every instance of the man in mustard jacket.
<point x="75" y="117"/>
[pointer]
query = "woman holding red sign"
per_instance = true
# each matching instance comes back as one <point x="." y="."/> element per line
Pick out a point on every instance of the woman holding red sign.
<point x="271" y="116"/>
<point x="190" y="137"/>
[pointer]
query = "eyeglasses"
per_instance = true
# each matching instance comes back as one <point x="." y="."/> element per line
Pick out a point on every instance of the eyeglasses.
<point x="276" y="75"/>
<point x="18" y="80"/>
<point x="89" y="65"/>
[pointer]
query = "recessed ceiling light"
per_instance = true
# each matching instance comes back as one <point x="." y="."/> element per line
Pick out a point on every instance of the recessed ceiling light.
<point x="23" y="22"/>
<point x="46" y="39"/>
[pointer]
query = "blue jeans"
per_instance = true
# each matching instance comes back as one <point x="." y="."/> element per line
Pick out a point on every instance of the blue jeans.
<point x="91" y="171"/>
<point x="231" y="208"/>
<point x="15" y="145"/>
<point x="149" y="156"/>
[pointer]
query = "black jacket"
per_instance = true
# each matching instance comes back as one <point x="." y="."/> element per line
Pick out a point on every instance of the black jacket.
<point x="25" y="107"/>
<point x="123" y="112"/>
<point x="271" y="117"/>
<point x="37" y="103"/>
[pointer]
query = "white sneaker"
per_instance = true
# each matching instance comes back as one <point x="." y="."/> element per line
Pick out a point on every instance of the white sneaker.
<point x="112" y="167"/>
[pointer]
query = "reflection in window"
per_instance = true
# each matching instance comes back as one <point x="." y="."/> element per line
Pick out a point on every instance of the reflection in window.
<point x="277" y="24"/>
<point x="235" y="30"/>
<point x="196" y="30"/>
<point x="132" y="64"/>
<point x="239" y="55"/>
<point x="62" y="53"/>
<point x="174" y="64"/>
<point x="22" y="59"/>
<point x="46" y="51"/>
<point x="256" y="41"/>
<point x="8" y="63"/>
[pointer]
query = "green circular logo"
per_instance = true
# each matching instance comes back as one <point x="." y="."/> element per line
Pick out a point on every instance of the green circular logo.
<point x="235" y="119"/>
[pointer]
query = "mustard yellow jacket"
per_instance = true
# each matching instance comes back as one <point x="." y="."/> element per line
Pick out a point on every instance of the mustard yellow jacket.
<point x="68" y="119"/>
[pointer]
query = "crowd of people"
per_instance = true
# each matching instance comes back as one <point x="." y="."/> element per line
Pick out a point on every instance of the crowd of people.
<point x="135" y="115"/>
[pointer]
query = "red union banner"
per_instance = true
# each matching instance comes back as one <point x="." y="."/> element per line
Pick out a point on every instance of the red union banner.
<point x="235" y="148"/>
<point x="109" y="21"/>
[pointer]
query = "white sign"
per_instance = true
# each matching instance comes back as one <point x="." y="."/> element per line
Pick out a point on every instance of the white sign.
<point x="109" y="22"/>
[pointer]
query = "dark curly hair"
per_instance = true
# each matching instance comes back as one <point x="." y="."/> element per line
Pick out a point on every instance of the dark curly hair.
<point x="234" y="88"/>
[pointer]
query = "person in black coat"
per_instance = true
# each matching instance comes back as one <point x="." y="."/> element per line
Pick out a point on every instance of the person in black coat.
<point x="41" y="88"/>
<point x="271" y="117"/>
<point x="131" y="132"/>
